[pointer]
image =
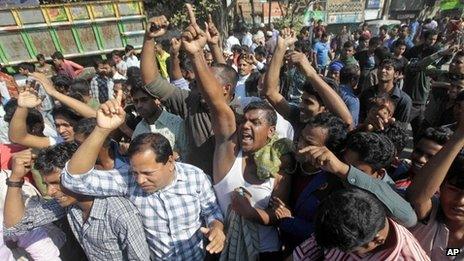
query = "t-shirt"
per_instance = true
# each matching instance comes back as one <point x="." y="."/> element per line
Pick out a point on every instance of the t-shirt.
<point x="322" y="53"/>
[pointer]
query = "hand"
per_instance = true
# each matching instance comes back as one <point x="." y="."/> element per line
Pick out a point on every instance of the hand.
<point x="286" y="38"/>
<point x="301" y="61"/>
<point x="450" y="51"/>
<point x="321" y="157"/>
<point x="156" y="27"/>
<point x="175" y="47"/>
<point x="22" y="162"/>
<point x="378" y="120"/>
<point x="280" y="209"/>
<point x="193" y="38"/>
<point x="212" y="33"/>
<point x="29" y="98"/>
<point x="47" y="84"/>
<point x="111" y="115"/>
<point x="216" y="237"/>
<point x="241" y="205"/>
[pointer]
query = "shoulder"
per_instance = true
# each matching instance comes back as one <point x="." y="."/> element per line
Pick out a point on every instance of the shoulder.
<point x="190" y="173"/>
<point x="119" y="207"/>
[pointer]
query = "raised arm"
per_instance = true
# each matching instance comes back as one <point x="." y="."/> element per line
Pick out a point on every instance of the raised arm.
<point x="271" y="80"/>
<point x="427" y="183"/>
<point x="81" y="108"/>
<point x="156" y="27"/>
<point x="213" y="38"/>
<point x="18" y="127"/>
<point x="223" y="118"/>
<point x="425" y="62"/>
<point x="332" y="101"/>
<point x="175" y="73"/>
<point x="110" y="116"/>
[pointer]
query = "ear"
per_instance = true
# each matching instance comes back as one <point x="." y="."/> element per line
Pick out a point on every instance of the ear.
<point x="322" y="108"/>
<point x="397" y="73"/>
<point x="171" y="161"/>
<point x="271" y="132"/>
<point x="226" y="89"/>
<point x="379" y="174"/>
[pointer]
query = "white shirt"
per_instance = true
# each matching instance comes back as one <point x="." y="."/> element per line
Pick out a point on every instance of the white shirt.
<point x="122" y="67"/>
<point x="132" y="61"/>
<point x="3" y="128"/>
<point x="231" y="41"/>
<point x="240" y="91"/>
<point x="4" y="91"/>
<point x="118" y="76"/>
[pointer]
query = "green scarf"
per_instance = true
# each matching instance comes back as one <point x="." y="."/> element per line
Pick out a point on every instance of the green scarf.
<point x="267" y="159"/>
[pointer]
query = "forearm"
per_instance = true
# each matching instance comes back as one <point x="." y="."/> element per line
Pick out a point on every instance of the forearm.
<point x="148" y="65"/>
<point x="424" y="63"/>
<point x="216" y="51"/>
<point x="216" y="224"/>
<point x="18" y="128"/>
<point x="85" y="157"/>
<point x="14" y="206"/>
<point x="271" y="79"/>
<point x="81" y="108"/>
<point x="425" y="185"/>
<point x="332" y="101"/>
<point x="175" y="72"/>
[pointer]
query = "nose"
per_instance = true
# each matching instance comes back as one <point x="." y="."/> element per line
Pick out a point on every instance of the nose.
<point x="140" y="179"/>
<point x="61" y="129"/>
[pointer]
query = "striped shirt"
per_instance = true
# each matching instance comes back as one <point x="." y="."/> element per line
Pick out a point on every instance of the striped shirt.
<point x="406" y="248"/>
<point x="172" y="216"/>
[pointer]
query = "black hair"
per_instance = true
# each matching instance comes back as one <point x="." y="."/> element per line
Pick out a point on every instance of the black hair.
<point x="348" y="44"/>
<point x="67" y="113"/>
<point x="430" y="33"/>
<point x="454" y="175"/>
<point x="260" y="50"/>
<point x="40" y="57"/>
<point x="57" y="55"/>
<point x="382" y="53"/>
<point x="166" y="44"/>
<point x="54" y="158"/>
<point x="399" y="42"/>
<point x="271" y="115"/>
<point x="86" y="126"/>
<point x="384" y="27"/>
<point x="375" y="41"/>
<point x="397" y="134"/>
<point x="115" y="52"/>
<point x="128" y="48"/>
<point x="337" y="130"/>
<point x="186" y="64"/>
<point x="62" y="80"/>
<point x="33" y="115"/>
<point x="348" y="73"/>
<point x="363" y="38"/>
<point x="27" y="66"/>
<point x="154" y="141"/>
<point x="98" y="62"/>
<point x="80" y="86"/>
<point x="374" y="149"/>
<point x="439" y="135"/>
<point x="348" y="219"/>
<point x="389" y="62"/>
<point x="236" y="48"/>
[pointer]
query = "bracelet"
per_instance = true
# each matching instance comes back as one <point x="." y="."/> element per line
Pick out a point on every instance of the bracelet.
<point x="16" y="184"/>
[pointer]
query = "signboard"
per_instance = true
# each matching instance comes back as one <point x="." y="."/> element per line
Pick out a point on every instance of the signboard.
<point x="316" y="15"/>
<point x="371" y="14"/>
<point x="451" y="4"/>
<point x="344" y="18"/>
<point x="409" y="5"/>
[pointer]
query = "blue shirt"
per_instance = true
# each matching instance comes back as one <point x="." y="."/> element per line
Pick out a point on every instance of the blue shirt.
<point x="351" y="101"/>
<point x="322" y="53"/>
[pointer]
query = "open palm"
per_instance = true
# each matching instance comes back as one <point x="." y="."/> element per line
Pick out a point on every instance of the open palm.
<point x="29" y="99"/>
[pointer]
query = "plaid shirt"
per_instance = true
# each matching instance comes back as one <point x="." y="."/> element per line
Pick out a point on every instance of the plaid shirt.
<point x="113" y="230"/>
<point x="94" y="92"/>
<point x="172" y="216"/>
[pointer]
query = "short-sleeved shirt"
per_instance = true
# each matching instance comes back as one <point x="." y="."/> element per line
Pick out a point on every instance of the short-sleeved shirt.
<point x="433" y="234"/>
<point x="322" y="53"/>
<point x="351" y="101"/>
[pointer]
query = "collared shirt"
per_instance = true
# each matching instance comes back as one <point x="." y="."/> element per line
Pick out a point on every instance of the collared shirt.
<point x="132" y="61"/>
<point x="403" y="103"/>
<point x="351" y="101"/>
<point x="113" y="231"/>
<point x="172" y="216"/>
<point x="170" y="126"/>
<point x="94" y="88"/>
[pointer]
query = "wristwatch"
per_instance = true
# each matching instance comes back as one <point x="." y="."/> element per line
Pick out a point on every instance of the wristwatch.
<point x="17" y="184"/>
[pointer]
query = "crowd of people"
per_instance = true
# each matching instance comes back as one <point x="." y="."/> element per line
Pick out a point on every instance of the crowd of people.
<point x="268" y="145"/>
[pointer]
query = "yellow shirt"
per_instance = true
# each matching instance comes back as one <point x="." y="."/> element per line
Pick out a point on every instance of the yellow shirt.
<point x="163" y="68"/>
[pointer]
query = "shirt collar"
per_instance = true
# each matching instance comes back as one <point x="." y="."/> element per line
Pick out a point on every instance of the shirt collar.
<point x="98" y="209"/>
<point x="163" y="119"/>
<point x="179" y="176"/>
